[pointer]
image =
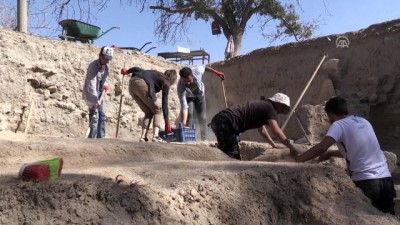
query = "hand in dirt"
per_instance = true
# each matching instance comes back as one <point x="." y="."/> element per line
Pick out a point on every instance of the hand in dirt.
<point x="294" y="152"/>
<point x="277" y="146"/>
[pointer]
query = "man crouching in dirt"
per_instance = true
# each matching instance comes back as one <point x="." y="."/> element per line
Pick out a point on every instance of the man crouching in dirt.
<point x="230" y="122"/>
<point x="95" y="82"/>
<point x="357" y="143"/>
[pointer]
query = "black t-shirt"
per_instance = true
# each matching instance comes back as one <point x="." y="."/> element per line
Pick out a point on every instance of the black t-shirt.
<point x="250" y="115"/>
<point x="156" y="83"/>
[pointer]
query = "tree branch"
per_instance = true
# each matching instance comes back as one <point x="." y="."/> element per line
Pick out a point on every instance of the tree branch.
<point x="170" y="10"/>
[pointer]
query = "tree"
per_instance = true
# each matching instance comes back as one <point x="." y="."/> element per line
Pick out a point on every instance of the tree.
<point x="8" y="14"/>
<point x="232" y="15"/>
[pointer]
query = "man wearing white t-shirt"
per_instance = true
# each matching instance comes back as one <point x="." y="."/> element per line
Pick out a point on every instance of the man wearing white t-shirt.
<point x="191" y="93"/>
<point x="357" y="143"/>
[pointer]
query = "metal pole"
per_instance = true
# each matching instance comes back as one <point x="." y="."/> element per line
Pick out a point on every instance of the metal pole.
<point x="302" y="93"/>
<point x="22" y="19"/>
<point x="302" y="128"/>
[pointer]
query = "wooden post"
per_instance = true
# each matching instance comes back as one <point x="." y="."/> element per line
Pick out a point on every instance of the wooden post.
<point x="120" y="107"/>
<point x="302" y="93"/>
<point x="28" y="122"/>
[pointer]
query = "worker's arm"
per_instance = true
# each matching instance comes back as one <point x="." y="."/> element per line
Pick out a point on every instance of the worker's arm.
<point x="318" y="150"/>
<point x="90" y="86"/>
<point x="264" y="133"/>
<point x="135" y="69"/>
<point x="184" y="114"/>
<point x="182" y="99"/>
<point x="329" y="154"/>
<point x="215" y="72"/>
<point x="281" y="136"/>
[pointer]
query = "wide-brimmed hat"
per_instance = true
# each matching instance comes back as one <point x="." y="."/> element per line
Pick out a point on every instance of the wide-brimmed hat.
<point x="281" y="98"/>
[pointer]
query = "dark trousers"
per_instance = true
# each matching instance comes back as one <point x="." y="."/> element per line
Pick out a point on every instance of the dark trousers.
<point x="199" y="104"/>
<point x="380" y="191"/>
<point x="227" y="137"/>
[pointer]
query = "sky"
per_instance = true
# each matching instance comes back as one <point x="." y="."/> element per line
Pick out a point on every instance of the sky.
<point x="333" y="16"/>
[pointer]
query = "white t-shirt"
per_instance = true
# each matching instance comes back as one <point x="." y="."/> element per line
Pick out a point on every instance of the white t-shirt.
<point x="196" y="89"/>
<point x="358" y="144"/>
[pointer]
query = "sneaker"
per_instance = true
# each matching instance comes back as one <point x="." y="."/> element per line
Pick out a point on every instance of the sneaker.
<point x="142" y="140"/>
<point x="157" y="139"/>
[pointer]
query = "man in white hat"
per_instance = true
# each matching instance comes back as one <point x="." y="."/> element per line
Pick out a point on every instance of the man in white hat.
<point x="230" y="122"/>
<point x="95" y="82"/>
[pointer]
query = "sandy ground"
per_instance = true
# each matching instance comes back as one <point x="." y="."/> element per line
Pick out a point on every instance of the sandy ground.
<point x="123" y="182"/>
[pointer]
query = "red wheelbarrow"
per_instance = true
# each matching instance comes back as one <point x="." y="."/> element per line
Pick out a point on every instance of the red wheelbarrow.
<point x="75" y="30"/>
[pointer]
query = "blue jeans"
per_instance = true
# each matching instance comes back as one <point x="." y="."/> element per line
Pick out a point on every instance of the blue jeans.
<point x="97" y="122"/>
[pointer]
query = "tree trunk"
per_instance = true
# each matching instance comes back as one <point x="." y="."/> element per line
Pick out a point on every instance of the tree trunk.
<point x="237" y="40"/>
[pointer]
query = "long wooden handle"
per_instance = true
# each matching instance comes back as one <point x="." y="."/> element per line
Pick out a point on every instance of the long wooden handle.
<point x="120" y="106"/>
<point x="223" y="90"/>
<point x="302" y="93"/>
<point x="28" y="122"/>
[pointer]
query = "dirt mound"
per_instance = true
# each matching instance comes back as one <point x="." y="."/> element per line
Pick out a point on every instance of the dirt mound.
<point x="121" y="182"/>
<point x="52" y="72"/>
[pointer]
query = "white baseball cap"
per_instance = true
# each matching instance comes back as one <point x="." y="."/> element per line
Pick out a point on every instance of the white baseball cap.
<point x="107" y="53"/>
<point x="281" y="98"/>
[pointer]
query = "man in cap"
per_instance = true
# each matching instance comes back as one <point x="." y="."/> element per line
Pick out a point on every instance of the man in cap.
<point x="95" y="82"/>
<point x="358" y="144"/>
<point x="230" y="122"/>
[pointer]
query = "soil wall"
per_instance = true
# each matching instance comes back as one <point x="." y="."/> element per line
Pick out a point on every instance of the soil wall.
<point x="366" y="73"/>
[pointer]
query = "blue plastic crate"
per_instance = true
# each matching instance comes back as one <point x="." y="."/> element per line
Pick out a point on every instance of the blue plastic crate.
<point x="181" y="134"/>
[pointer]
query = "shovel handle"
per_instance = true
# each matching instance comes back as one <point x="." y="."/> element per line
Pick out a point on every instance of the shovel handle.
<point x="223" y="91"/>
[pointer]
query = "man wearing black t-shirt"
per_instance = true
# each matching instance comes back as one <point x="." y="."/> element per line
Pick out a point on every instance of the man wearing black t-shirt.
<point x="230" y="122"/>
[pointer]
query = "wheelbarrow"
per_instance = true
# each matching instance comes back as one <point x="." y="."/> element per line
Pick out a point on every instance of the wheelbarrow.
<point x="75" y="30"/>
<point x="139" y="49"/>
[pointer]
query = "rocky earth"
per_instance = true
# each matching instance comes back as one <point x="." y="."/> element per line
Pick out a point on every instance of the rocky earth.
<point x="51" y="73"/>
<point x="121" y="181"/>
